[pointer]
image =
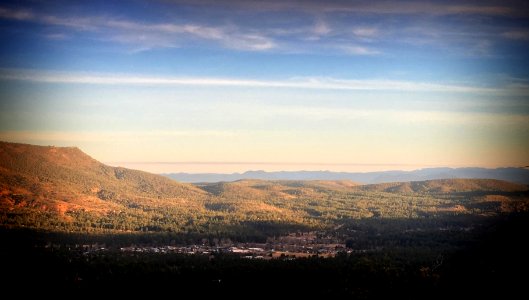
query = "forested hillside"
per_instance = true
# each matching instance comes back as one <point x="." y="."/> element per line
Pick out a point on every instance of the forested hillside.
<point x="63" y="189"/>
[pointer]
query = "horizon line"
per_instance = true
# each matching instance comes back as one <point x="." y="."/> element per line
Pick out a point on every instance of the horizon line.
<point x="263" y="163"/>
<point x="418" y="166"/>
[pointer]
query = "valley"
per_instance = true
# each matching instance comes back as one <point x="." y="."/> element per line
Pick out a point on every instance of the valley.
<point x="71" y="220"/>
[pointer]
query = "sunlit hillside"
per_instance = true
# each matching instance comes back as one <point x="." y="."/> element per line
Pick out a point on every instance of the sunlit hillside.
<point x="63" y="189"/>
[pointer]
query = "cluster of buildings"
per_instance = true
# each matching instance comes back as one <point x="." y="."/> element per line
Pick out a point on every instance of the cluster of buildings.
<point x="295" y="245"/>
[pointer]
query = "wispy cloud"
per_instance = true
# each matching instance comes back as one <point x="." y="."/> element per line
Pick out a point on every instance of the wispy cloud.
<point x="18" y="14"/>
<point x="428" y="8"/>
<point x="80" y="23"/>
<point x="149" y="35"/>
<point x="105" y="136"/>
<point x="321" y="28"/>
<point x="359" y="50"/>
<point x="366" y="6"/>
<point x="309" y="27"/>
<point x="301" y="83"/>
<point x="366" y="32"/>
<point x="517" y="34"/>
<point x="493" y="7"/>
<point x="56" y="36"/>
<point x="168" y="34"/>
<point x="385" y="116"/>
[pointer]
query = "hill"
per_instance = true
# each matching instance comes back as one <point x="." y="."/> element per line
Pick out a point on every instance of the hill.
<point x="63" y="189"/>
<point x="441" y="186"/>
<point x="64" y="182"/>
<point x="518" y="175"/>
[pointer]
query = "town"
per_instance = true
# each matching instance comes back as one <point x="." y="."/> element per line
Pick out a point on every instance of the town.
<point x="292" y="246"/>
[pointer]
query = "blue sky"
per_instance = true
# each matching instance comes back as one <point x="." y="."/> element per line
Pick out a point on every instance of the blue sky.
<point x="235" y="85"/>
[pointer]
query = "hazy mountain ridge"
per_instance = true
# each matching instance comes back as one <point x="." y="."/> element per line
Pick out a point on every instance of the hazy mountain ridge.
<point x="518" y="175"/>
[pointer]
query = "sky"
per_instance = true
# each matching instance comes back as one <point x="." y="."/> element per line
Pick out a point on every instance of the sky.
<point x="231" y="86"/>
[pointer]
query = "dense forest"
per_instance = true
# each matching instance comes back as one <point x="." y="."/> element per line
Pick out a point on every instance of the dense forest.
<point x="486" y="261"/>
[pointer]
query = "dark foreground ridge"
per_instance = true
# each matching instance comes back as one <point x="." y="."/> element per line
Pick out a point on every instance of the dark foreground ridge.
<point x="486" y="263"/>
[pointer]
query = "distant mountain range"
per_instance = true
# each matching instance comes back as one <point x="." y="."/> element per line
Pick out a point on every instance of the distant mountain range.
<point x="518" y="175"/>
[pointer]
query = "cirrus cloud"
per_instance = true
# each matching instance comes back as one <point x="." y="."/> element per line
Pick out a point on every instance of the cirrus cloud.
<point x="322" y="83"/>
